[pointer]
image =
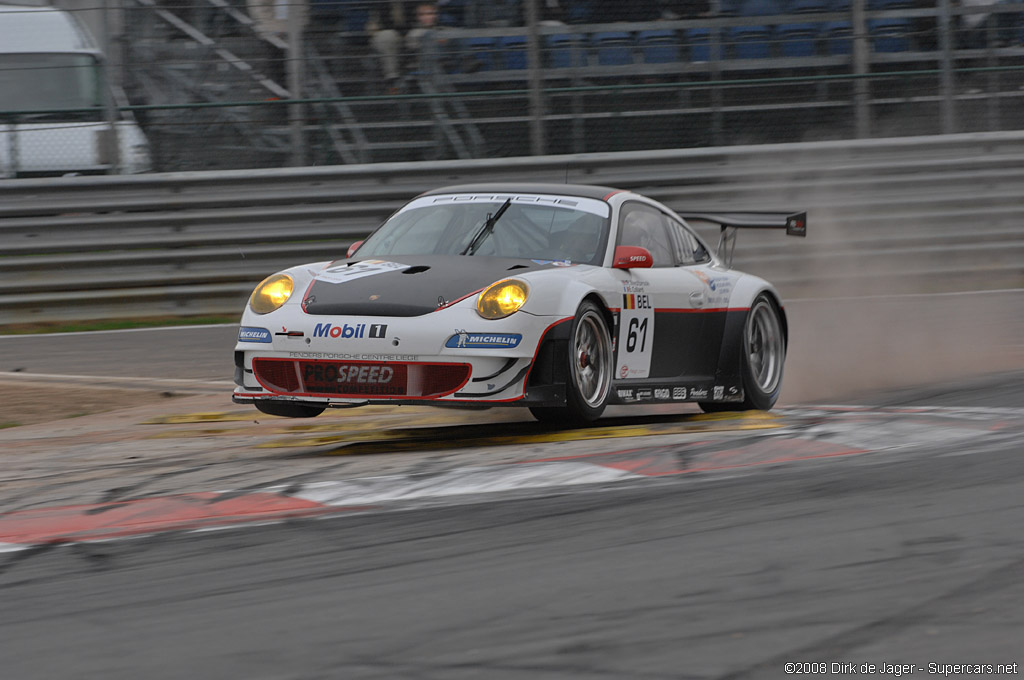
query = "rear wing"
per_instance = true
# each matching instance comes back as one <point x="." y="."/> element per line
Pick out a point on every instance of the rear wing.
<point x="795" y="224"/>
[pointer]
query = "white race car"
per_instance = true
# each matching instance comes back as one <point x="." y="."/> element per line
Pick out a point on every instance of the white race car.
<point x="560" y="298"/>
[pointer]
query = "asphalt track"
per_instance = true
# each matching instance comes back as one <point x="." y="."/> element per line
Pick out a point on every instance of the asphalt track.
<point x="899" y="542"/>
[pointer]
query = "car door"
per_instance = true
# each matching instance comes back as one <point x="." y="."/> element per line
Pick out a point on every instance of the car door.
<point x="710" y="301"/>
<point x="661" y="324"/>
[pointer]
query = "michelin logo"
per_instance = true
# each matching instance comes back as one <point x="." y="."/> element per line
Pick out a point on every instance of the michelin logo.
<point x="250" y="334"/>
<point x="466" y="340"/>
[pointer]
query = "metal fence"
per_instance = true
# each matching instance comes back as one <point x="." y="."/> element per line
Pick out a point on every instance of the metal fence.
<point x="918" y="214"/>
<point x="227" y="84"/>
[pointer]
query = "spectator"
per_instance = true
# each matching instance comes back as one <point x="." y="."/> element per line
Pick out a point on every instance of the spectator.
<point x="426" y="41"/>
<point x="271" y="16"/>
<point x="976" y="28"/>
<point x="552" y="13"/>
<point x="388" y="26"/>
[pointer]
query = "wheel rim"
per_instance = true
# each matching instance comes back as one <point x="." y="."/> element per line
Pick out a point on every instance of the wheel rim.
<point x="590" y="359"/>
<point x="765" y="347"/>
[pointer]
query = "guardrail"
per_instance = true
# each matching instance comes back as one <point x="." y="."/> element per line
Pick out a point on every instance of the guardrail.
<point x="918" y="214"/>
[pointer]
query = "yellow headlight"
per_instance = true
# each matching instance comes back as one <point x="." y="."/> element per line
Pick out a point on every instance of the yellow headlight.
<point x="502" y="298"/>
<point x="272" y="292"/>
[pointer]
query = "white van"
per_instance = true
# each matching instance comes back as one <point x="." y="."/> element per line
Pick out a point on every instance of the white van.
<point x="53" y="101"/>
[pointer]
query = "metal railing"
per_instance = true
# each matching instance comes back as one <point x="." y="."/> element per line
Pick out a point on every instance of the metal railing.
<point x="212" y="87"/>
<point x="918" y="214"/>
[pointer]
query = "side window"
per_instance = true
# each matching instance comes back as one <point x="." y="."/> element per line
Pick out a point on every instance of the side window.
<point x="640" y="225"/>
<point x="689" y="250"/>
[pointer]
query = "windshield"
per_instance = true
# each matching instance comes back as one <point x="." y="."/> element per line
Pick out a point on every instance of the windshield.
<point x="43" y="82"/>
<point x="532" y="227"/>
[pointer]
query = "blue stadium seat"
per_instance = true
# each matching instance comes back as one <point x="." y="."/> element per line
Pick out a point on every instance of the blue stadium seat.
<point x="839" y="5"/>
<point x="514" y="49"/>
<point x="890" y="35"/>
<point x="838" y="38"/>
<point x="613" y="48"/>
<point x="350" y="16"/>
<point x="730" y="8"/>
<point x="798" y="40"/>
<point x="659" y="46"/>
<point x="453" y="13"/>
<point x="890" y="4"/>
<point x="561" y="48"/>
<point x="482" y="51"/>
<point x="580" y="11"/>
<point x="699" y="41"/>
<point x="808" y="6"/>
<point x="758" y="8"/>
<point x="750" y="42"/>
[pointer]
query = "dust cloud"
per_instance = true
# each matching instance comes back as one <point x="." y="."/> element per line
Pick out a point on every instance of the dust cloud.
<point x="850" y="347"/>
<point x="851" y="334"/>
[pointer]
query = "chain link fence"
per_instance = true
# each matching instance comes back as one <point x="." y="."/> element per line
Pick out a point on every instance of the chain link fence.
<point x="233" y="84"/>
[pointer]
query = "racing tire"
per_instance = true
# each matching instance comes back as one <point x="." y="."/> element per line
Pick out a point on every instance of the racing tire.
<point x="764" y="356"/>
<point x="589" y="372"/>
<point x="289" y="410"/>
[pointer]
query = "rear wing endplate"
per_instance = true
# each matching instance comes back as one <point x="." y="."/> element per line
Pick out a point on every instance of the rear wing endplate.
<point x="795" y="224"/>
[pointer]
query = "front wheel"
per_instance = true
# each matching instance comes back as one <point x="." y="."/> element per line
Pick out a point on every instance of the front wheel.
<point x="590" y="370"/>
<point x="288" y="409"/>
<point x="764" y="355"/>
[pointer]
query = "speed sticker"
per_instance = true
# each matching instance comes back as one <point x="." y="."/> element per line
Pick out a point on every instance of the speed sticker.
<point x="636" y="335"/>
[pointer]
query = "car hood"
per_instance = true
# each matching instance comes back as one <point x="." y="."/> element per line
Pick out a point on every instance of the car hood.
<point x="406" y="285"/>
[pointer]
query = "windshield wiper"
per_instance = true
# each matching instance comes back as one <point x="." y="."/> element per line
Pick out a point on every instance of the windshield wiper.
<point x="486" y="228"/>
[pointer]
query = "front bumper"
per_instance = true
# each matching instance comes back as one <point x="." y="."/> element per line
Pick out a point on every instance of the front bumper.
<point x="451" y="357"/>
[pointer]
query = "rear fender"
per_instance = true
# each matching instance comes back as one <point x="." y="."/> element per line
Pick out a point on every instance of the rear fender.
<point x="730" y="367"/>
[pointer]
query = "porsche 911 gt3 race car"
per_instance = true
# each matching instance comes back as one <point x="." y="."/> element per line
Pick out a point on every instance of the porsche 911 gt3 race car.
<point x="560" y="298"/>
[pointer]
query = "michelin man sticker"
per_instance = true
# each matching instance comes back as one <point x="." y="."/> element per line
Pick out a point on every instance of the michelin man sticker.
<point x="346" y="272"/>
<point x="636" y="331"/>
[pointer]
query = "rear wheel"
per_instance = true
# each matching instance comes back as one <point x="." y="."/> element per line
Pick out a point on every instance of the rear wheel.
<point x="590" y="370"/>
<point x="289" y="410"/>
<point x="764" y="355"/>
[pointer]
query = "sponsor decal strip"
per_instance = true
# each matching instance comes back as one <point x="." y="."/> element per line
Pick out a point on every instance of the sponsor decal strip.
<point x="253" y="334"/>
<point x="673" y="310"/>
<point x="468" y="340"/>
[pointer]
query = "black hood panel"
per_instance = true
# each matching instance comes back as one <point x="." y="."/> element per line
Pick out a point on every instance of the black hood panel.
<point x="419" y="286"/>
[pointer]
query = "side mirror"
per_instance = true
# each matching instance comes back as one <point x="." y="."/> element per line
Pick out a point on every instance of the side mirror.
<point x="353" y="248"/>
<point x="632" y="257"/>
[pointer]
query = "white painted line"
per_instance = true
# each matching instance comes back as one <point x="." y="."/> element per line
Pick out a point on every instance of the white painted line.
<point x="120" y="330"/>
<point x="900" y="296"/>
<point x="104" y="379"/>
<point x="462" y="481"/>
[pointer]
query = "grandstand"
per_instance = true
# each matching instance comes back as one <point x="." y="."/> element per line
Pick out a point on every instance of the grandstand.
<point x="208" y="78"/>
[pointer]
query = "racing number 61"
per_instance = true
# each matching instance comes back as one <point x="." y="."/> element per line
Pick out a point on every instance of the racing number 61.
<point x="636" y="327"/>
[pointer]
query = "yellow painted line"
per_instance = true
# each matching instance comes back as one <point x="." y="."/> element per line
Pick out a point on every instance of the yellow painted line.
<point x="192" y="418"/>
<point x="364" y="424"/>
<point x="253" y="414"/>
<point x="482" y="435"/>
<point x="183" y="434"/>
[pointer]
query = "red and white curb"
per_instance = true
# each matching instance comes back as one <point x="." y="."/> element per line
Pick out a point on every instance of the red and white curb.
<point x="826" y="432"/>
<point x="204" y="511"/>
